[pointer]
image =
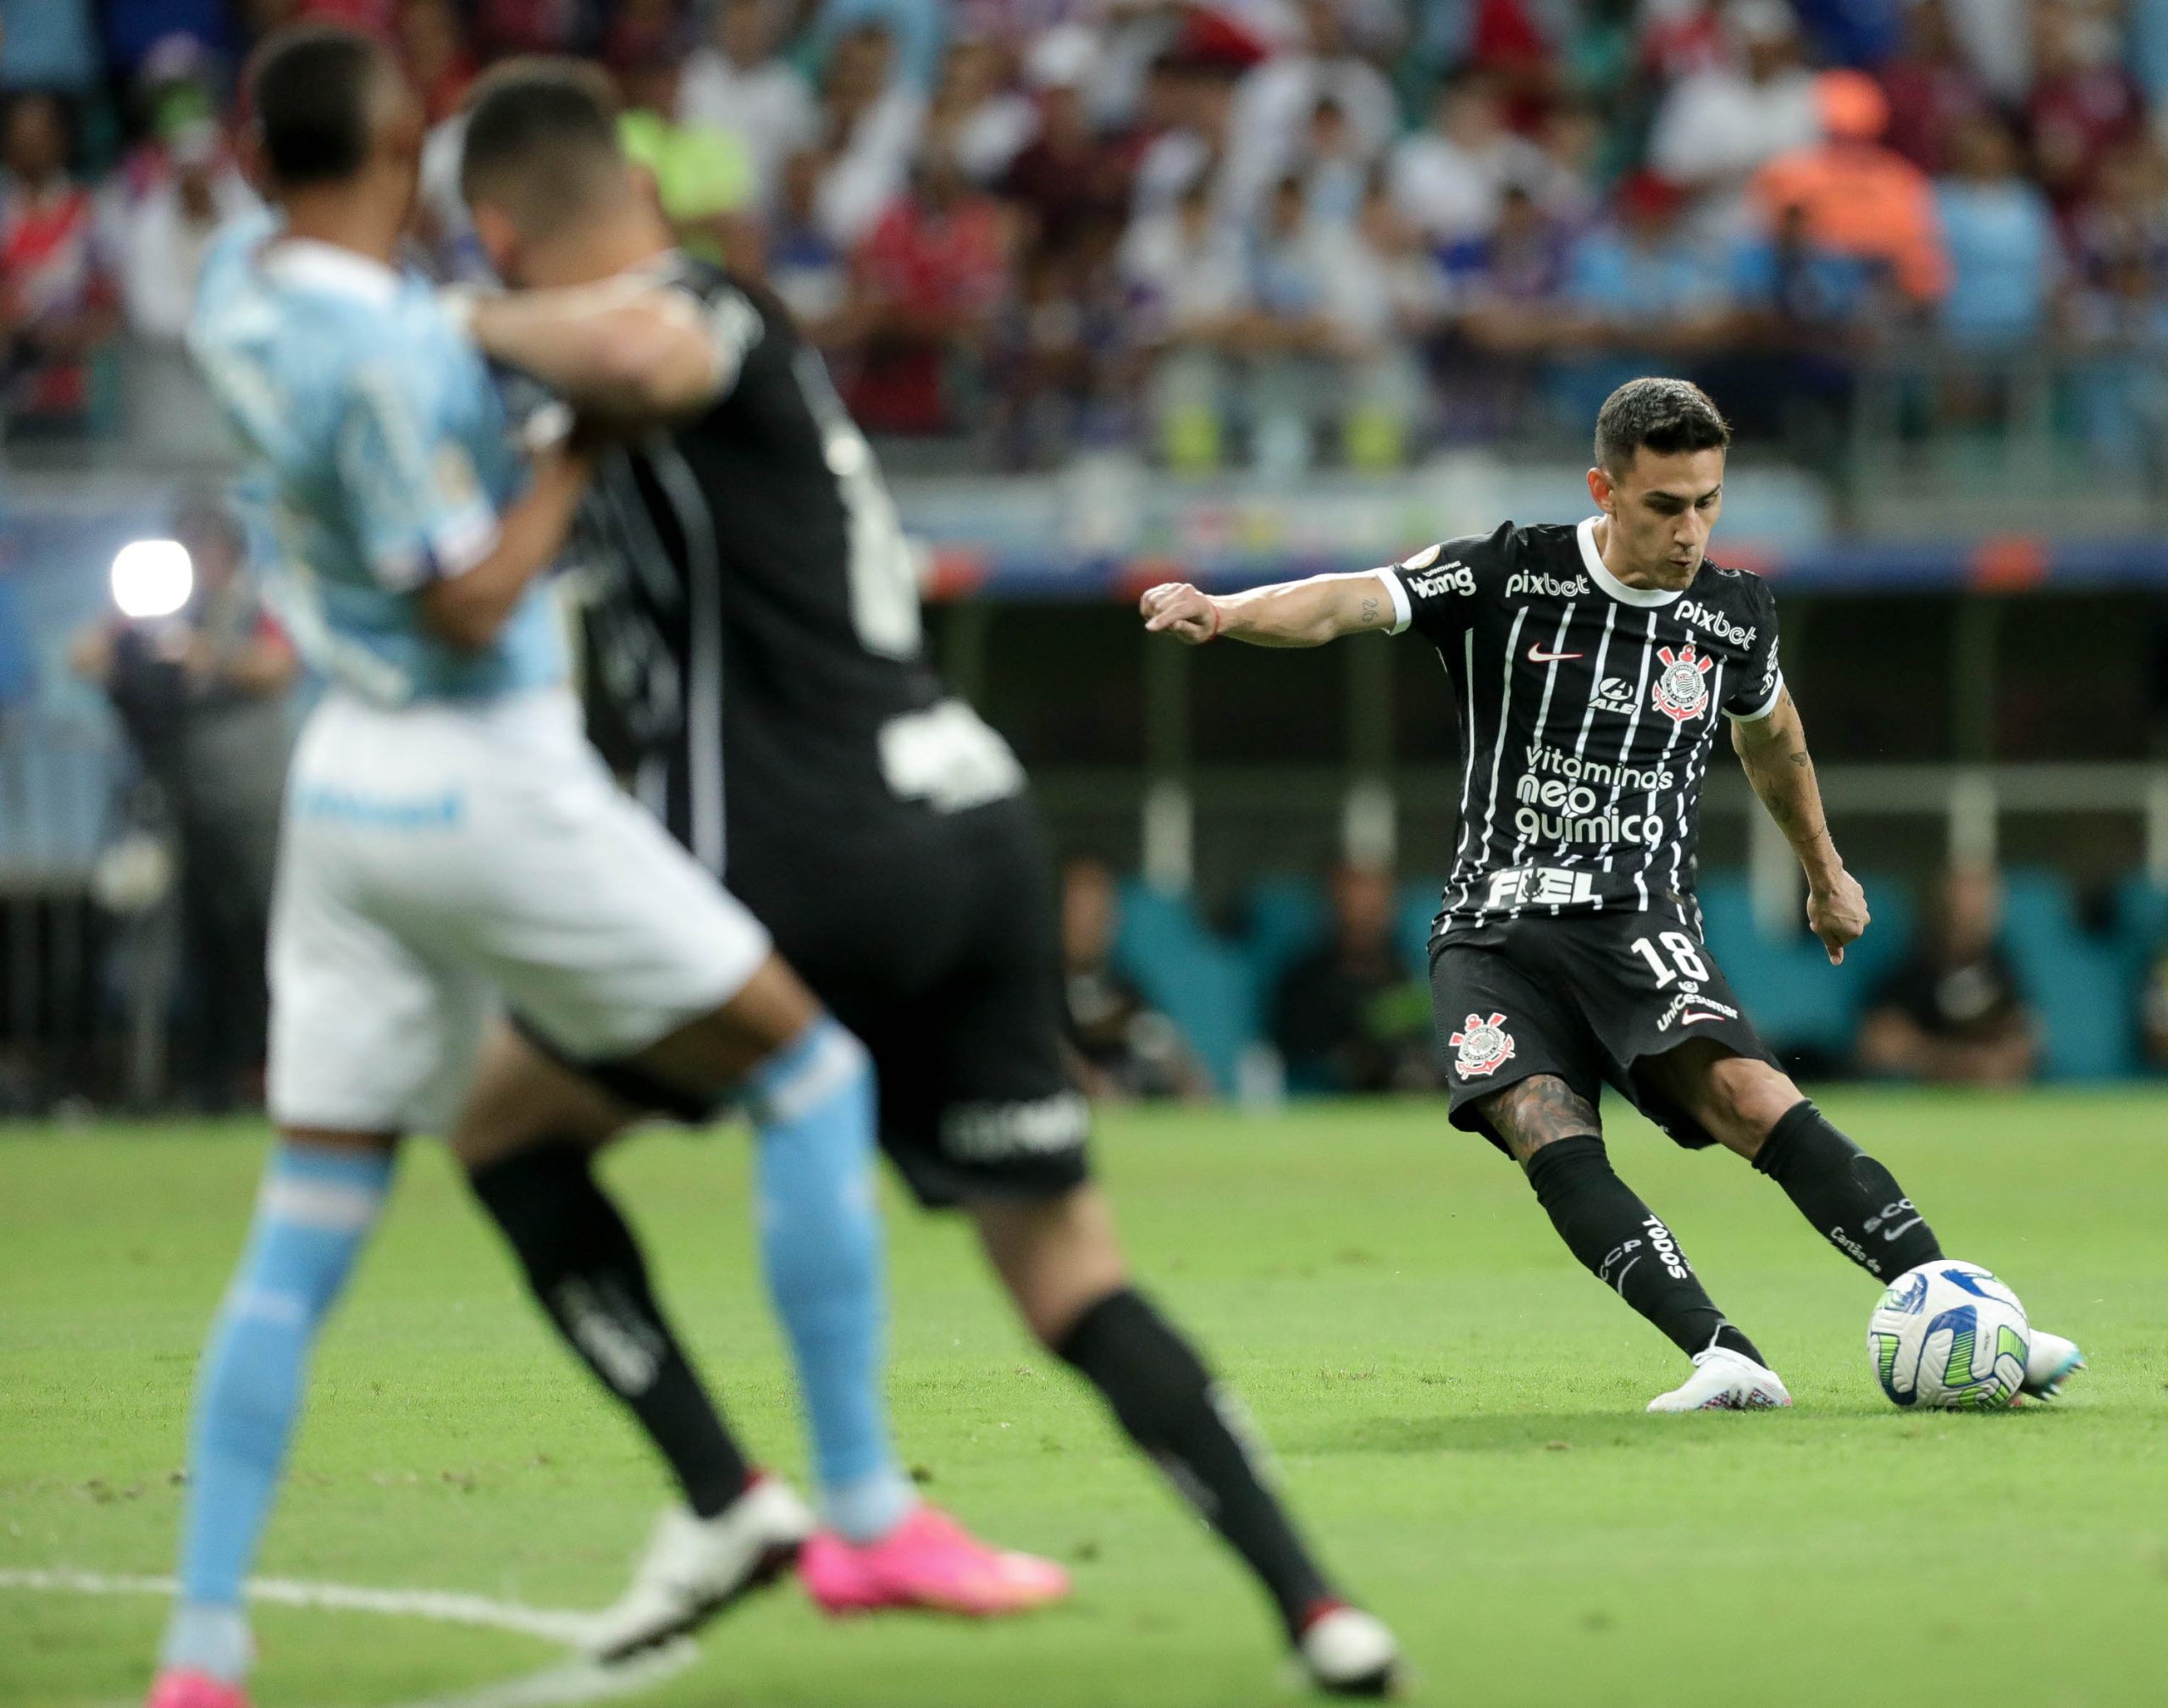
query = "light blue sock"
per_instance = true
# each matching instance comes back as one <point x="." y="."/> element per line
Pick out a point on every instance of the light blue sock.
<point x="813" y="1106"/>
<point x="311" y="1216"/>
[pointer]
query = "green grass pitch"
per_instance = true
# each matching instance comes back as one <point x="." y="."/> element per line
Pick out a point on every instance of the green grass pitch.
<point x="1457" y="1409"/>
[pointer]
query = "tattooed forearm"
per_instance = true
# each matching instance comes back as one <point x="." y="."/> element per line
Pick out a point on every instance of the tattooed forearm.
<point x="1774" y="753"/>
<point x="1779" y="808"/>
<point x="1369" y="613"/>
<point x="1790" y="795"/>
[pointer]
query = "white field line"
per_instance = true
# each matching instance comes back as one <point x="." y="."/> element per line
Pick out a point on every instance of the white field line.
<point x="576" y="1683"/>
<point x="560" y="1686"/>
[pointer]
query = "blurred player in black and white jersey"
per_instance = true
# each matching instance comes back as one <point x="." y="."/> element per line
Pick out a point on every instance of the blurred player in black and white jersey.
<point x="1590" y="663"/>
<point x="756" y="662"/>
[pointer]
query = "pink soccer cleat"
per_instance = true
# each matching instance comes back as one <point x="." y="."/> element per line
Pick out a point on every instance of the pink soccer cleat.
<point x="181" y="1689"/>
<point x="929" y="1561"/>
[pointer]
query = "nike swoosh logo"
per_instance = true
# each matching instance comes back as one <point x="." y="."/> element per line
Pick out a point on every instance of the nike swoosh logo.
<point x="1537" y="655"/>
<point x="1889" y="1234"/>
<point x="1689" y="1020"/>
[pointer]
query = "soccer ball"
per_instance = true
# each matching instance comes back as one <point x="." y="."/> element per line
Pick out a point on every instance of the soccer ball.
<point x="1949" y="1336"/>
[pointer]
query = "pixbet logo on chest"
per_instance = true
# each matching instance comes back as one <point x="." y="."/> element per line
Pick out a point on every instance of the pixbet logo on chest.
<point x="1716" y="624"/>
<point x="1536" y="584"/>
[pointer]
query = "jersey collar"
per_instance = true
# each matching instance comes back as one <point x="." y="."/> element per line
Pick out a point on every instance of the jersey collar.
<point x="1592" y="562"/>
<point x="314" y="265"/>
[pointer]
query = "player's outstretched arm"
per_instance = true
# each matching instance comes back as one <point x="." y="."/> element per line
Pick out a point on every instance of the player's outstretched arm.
<point x="1290" y="613"/>
<point x="1773" y="749"/>
<point x="631" y="351"/>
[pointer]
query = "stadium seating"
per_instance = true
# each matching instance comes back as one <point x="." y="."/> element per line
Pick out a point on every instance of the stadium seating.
<point x="2082" y="986"/>
<point x="1194" y="976"/>
<point x="1217" y="987"/>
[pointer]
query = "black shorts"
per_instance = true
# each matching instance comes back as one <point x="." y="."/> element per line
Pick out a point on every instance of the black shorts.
<point x="1586" y="997"/>
<point x="939" y="946"/>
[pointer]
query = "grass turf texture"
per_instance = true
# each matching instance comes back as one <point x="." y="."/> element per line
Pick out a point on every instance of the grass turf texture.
<point x="1458" y="1408"/>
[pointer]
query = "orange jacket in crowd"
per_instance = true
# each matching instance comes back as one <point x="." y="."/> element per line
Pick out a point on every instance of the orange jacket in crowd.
<point x="1858" y="198"/>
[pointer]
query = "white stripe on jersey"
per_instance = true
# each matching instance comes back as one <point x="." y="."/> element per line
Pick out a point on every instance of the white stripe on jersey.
<point x="1467" y="759"/>
<point x="1633" y="724"/>
<point x="643" y="549"/>
<point x="1573" y="856"/>
<point x="1542" y="715"/>
<point x="704" y="694"/>
<point x="1505" y="723"/>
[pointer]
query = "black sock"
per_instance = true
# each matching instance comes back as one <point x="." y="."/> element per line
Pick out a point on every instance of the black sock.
<point x="1626" y="1247"/>
<point x="1173" y="1409"/>
<point x="586" y="1270"/>
<point x="1852" y="1200"/>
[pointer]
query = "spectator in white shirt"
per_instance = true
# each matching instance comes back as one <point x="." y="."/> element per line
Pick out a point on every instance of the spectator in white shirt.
<point x="1336" y="165"/>
<point x="738" y="83"/>
<point x="1449" y="179"/>
<point x="164" y="236"/>
<point x="1194" y="144"/>
<point x="871" y="122"/>
<point x="1332" y="305"/>
<point x="983" y="119"/>
<point x="1717" y="127"/>
<point x="1274" y="104"/>
<point x="1184" y="273"/>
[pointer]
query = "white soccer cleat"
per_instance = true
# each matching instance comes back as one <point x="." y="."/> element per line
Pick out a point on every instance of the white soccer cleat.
<point x="2049" y="1362"/>
<point x="1725" y="1381"/>
<point x="695" y="1568"/>
<point x="1347" y="1652"/>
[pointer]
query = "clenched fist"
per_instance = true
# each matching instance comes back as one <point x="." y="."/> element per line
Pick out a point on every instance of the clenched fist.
<point x="1176" y="608"/>
<point x="1836" y="912"/>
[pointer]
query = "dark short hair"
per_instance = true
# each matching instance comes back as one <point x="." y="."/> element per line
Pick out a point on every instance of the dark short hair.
<point x="310" y="86"/>
<point x="537" y="130"/>
<point x="1665" y="416"/>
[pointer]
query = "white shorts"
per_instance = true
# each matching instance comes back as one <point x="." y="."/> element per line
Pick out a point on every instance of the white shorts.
<point x="441" y="863"/>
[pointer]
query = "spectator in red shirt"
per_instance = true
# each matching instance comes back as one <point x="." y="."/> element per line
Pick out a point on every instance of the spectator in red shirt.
<point x="527" y="26"/>
<point x="2082" y="103"/>
<point x="928" y="280"/>
<point x="1934" y="91"/>
<point x="1068" y="177"/>
<point x="59" y="302"/>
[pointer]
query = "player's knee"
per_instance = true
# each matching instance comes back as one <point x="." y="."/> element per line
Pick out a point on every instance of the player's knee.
<point x="1058" y="1256"/>
<point x="1539" y="1111"/>
<point x="520" y="1099"/>
<point x="1745" y="1099"/>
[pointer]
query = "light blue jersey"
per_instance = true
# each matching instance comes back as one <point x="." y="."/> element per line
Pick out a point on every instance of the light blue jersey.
<point x="385" y="454"/>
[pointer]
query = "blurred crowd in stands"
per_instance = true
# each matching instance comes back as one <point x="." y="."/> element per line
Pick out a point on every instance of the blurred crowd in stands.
<point x="1349" y="1016"/>
<point x="1281" y="231"/>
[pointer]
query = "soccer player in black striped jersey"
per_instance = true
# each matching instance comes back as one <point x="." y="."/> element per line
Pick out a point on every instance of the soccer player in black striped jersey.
<point x="755" y="645"/>
<point x="1591" y="665"/>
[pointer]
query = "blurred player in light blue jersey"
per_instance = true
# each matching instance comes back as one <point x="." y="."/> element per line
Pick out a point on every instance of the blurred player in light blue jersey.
<point x="452" y="846"/>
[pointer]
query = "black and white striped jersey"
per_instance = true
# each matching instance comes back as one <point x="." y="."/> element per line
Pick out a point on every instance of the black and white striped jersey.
<point x="1588" y="709"/>
<point x="751" y="615"/>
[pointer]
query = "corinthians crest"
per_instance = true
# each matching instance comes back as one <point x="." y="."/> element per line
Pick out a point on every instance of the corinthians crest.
<point x="1484" y="1047"/>
<point x="1682" y="689"/>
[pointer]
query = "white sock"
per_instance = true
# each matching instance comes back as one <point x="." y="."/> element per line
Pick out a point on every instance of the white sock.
<point x="214" y="1641"/>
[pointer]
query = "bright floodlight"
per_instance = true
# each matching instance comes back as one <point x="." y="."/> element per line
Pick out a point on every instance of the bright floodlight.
<point x="152" y="577"/>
